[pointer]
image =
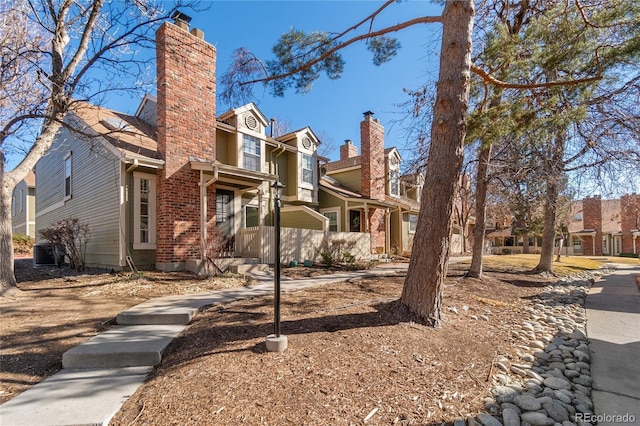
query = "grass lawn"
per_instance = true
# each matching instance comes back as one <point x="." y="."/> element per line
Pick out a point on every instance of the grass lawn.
<point x="567" y="265"/>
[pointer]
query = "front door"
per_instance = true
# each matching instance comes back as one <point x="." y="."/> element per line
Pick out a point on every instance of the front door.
<point x="225" y="215"/>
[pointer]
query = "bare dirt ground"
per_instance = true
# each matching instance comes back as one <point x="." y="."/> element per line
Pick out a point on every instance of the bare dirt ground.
<point x="349" y="356"/>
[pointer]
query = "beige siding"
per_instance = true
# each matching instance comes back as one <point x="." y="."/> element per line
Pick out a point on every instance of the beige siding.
<point x="349" y="179"/>
<point x="224" y="153"/>
<point x="21" y="208"/>
<point x="303" y="244"/>
<point x="95" y="196"/>
<point x="298" y="219"/>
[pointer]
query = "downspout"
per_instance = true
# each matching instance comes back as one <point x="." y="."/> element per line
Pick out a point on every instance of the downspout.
<point x="387" y="233"/>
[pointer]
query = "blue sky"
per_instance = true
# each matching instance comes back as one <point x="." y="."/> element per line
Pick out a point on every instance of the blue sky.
<point x="333" y="109"/>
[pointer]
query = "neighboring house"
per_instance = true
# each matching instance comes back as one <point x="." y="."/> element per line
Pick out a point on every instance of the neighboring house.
<point x="23" y="206"/>
<point x="605" y="227"/>
<point x="366" y="192"/>
<point x="152" y="186"/>
<point x="597" y="227"/>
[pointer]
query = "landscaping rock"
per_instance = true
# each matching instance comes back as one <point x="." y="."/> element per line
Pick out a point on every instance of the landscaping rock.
<point x="557" y="383"/>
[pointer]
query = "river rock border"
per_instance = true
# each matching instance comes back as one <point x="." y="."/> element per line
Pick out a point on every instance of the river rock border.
<point x="547" y="381"/>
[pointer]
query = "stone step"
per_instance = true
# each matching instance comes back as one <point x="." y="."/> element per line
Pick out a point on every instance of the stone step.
<point x="129" y="346"/>
<point x="248" y="268"/>
<point x="157" y="313"/>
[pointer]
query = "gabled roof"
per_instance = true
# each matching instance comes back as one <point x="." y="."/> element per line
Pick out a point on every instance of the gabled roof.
<point x="244" y="108"/>
<point x="127" y="136"/>
<point x="355" y="161"/>
<point x="331" y="185"/>
<point x="292" y="135"/>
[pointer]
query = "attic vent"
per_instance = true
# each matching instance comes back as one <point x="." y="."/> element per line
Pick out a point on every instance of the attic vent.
<point x="117" y="124"/>
<point x="251" y="122"/>
<point x="306" y="142"/>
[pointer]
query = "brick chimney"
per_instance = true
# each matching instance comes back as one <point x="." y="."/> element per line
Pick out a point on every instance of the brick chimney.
<point x="186" y="67"/>
<point x="348" y="150"/>
<point x="372" y="157"/>
<point x="592" y="219"/>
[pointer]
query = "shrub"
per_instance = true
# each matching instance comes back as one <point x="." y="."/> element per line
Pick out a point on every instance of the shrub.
<point x="633" y="255"/>
<point x="337" y="252"/>
<point x="506" y="251"/>
<point x="69" y="237"/>
<point x="214" y="248"/>
<point x="22" y="243"/>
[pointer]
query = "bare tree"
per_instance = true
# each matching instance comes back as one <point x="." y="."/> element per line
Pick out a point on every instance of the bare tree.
<point x="72" y="47"/>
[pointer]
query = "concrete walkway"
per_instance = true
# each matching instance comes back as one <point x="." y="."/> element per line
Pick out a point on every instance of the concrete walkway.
<point x="613" y="328"/>
<point x="99" y="375"/>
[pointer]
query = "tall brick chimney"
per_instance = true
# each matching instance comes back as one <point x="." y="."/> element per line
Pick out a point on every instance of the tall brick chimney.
<point x="592" y="219"/>
<point x="186" y="74"/>
<point x="348" y="150"/>
<point x="372" y="157"/>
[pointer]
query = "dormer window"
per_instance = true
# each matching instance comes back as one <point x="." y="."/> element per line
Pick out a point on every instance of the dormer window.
<point x="251" y="151"/>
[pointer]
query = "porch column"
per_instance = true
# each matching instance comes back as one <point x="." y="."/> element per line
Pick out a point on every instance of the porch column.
<point x="203" y="212"/>
<point x="260" y="227"/>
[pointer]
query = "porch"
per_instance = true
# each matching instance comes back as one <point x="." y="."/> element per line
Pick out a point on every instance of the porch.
<point x="298" y="244"/>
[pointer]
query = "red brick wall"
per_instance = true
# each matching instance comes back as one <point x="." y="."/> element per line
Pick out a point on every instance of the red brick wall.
<point x="592" y="219"/>
<point x="186" y="68"/>
<point x="372" y="158"/>
<point x="377" y="228"/>
<point x="348" y="150"/>
<point x="629" y="210"/>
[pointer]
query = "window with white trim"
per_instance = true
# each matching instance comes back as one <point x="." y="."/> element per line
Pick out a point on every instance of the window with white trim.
<point x="307" y="169"/>
<point x="251" y="216"/>
<point x="413" y="222"/>
<point x="333" y="217"/>
<point x="67" y="176"/>
<point x="144" y="211"/>
<point x="394" y="183"/>
<point x="251" y="153"/>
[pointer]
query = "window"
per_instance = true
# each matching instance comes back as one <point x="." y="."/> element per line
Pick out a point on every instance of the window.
<point x="307" y="169"/>
<point x="394" y="183"/>
<point x="251" y="216"/>
<point x="222" y="207"/>
<point x="67" y="176"/>
<point x="144" y="211"/>
<point x="251" y="150"/>
<point x="333" y="220"/>
<point x="413" y="222"/>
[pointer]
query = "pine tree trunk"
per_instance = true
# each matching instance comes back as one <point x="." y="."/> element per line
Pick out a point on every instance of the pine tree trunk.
<point x="555" y="170"/>
<point x="482" y="183"/>
<point x="422" y="292"/>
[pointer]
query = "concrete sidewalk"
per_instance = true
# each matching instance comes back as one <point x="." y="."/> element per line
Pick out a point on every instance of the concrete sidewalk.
<point x="99" y="375"/>
<point x="613" y="329"/>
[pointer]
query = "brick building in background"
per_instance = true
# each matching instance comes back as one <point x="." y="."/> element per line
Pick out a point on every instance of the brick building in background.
<point x="605" y="227"/>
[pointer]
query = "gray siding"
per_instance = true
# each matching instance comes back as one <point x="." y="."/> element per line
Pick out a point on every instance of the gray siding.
<point x="95" y="194"/>
<point x="20" y="210"/>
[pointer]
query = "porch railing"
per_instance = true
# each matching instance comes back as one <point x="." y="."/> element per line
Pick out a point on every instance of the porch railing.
<point x="299" y="244"/>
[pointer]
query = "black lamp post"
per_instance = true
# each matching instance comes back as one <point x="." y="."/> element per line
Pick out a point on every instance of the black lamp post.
<point x="276" y="342"/>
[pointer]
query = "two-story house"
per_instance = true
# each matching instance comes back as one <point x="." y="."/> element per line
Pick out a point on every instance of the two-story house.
<point x="23" y="206"/>
<point x="366" y="192"/>
<point x="152" y="185"/>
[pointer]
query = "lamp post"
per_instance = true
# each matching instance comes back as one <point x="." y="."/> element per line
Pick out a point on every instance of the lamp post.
<point x="276" y="342"/>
